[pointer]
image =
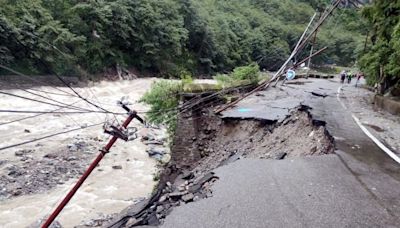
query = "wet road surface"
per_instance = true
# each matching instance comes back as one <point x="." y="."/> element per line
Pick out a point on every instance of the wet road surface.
<point x="359" y="186"/>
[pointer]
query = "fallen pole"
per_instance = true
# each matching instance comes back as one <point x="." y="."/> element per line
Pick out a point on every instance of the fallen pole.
<point x="298" y="48"/>
<point x="309" y="57"/>
<point x="295" y="50"/>
<point x="265" y="84"/>
<point x="92" y="166"/>
<point x="261" y="86"/>
<point x="304" y="60"/>
<point x="319" y="24"/>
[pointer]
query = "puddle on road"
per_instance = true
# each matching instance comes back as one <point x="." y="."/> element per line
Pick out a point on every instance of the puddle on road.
<point x="376" y="128"/>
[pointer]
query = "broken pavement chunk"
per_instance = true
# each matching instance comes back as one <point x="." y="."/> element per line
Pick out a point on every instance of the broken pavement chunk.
<point x="319" y="94"/>
<point x="188" y="197"/>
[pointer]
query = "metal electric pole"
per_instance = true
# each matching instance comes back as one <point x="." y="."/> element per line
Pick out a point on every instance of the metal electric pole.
<point x="116" y="132"/>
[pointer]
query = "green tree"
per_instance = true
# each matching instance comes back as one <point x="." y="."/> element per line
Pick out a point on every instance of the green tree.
<point x="380" y="62"/>
<point x="31" y="34"/>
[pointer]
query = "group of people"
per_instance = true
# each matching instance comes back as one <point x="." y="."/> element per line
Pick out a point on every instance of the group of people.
<point x="349" y="76"/>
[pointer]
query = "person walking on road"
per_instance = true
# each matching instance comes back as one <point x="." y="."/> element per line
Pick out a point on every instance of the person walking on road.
<point x="359" y="76"/>
<point x="349" y="77"/>
<point x="342" y="76"/>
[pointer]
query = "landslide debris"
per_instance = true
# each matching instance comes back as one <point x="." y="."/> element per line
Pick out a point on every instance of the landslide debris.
<point x="204" y="141"/>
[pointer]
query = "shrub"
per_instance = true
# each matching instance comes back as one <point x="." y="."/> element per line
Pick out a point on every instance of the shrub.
<point x="249" y="73"/>
<point x="223" y="79"/>
<point x="163" y="98"/>
<point x="239" y="76"/>
<point x="186" y="77"/>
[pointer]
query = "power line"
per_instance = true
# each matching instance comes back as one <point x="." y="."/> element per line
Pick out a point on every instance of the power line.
<point x="31" y="117"/>
<point x="32" y="79"/>
<point x="52" y="104"/>
<point x="70" y="87"/>
<point x="48" y="98"/>
<point x="47" y="92"/>
<point x="97" y="101"/>
<point x="48" y="136"/>
<point x="67" y="116"/>
<point x="52" y="112"/>
<point x="43" y="102"/>
<point x="41" y="96"/>
<point x="58" y="76"/>
<point x="68" y="94"/>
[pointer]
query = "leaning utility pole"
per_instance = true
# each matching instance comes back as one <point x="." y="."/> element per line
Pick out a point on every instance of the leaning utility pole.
<point x="299" y="47"/>
<point x="312" y="50"/>
<point x="116" y="134"/>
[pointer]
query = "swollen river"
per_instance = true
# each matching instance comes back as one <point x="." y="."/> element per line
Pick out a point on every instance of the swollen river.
<point x="124" y="175"/>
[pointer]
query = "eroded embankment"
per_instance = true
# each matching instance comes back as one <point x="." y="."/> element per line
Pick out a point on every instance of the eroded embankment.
<point x="205" y="141"/>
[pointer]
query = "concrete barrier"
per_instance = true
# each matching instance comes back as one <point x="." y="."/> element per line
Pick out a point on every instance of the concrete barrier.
<point x="388" y="104"/>
<point x="323" y="76"/>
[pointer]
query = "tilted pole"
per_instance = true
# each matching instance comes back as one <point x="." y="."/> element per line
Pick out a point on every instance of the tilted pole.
<point x="294" y="52"/>
<point x="92" y="166"/>
<point x="266" y="84"/>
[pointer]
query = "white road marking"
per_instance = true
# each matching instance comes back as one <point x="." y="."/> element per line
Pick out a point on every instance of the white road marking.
<point x="368" y="133"/>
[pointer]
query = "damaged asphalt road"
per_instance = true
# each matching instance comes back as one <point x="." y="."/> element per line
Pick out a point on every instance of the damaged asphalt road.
<point x="359" y="186"/>
<point x="356" y="186"/>
<point x="304" y="192"/>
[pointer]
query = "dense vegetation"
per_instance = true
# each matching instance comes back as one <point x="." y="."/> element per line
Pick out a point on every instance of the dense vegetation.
<point x="164" y="95"/>
<point x="165" y="36"/>
<point x="381" y="59"/>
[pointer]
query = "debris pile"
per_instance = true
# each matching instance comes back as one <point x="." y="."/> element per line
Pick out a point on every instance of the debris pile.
<point x="184" y="189"/>
<point x="156" y="146"/>
<point x="38" y="174"/>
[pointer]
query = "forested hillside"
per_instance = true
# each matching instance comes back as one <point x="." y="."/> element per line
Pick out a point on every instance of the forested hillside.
<point x="381" y="60"/>
<point x="167" y="37"/>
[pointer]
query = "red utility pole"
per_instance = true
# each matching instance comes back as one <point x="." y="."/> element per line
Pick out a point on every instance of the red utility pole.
<point x="103" y="152"/>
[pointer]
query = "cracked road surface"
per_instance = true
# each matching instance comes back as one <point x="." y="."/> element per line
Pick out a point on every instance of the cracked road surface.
<point x="359" y="186"/>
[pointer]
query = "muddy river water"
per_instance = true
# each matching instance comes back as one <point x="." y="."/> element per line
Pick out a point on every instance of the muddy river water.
<point x="125" y="174"/>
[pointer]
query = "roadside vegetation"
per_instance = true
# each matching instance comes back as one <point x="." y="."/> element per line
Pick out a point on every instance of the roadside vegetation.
<point x="163" y="98"/>
<point x="381" y="58"/>
<point x="164" y="95"/>
<point x="241" y="75"/>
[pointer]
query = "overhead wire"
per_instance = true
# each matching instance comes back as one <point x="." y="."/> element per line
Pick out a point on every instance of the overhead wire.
<point x="67" y="116"/>
<point x="31" y="117"/>
<point x="34" y="80"/>
<point x="48" y="136"/>
<point x="43" y="102"/>
<point x="98" y="102"/>
<point x="52" y="112"/>
<point x="202" y="102"/>
<point x="51" y="99"/>
<point x="26" y="90"/>
<point x="48" y="68"/>
<point x="53" y="93"/>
